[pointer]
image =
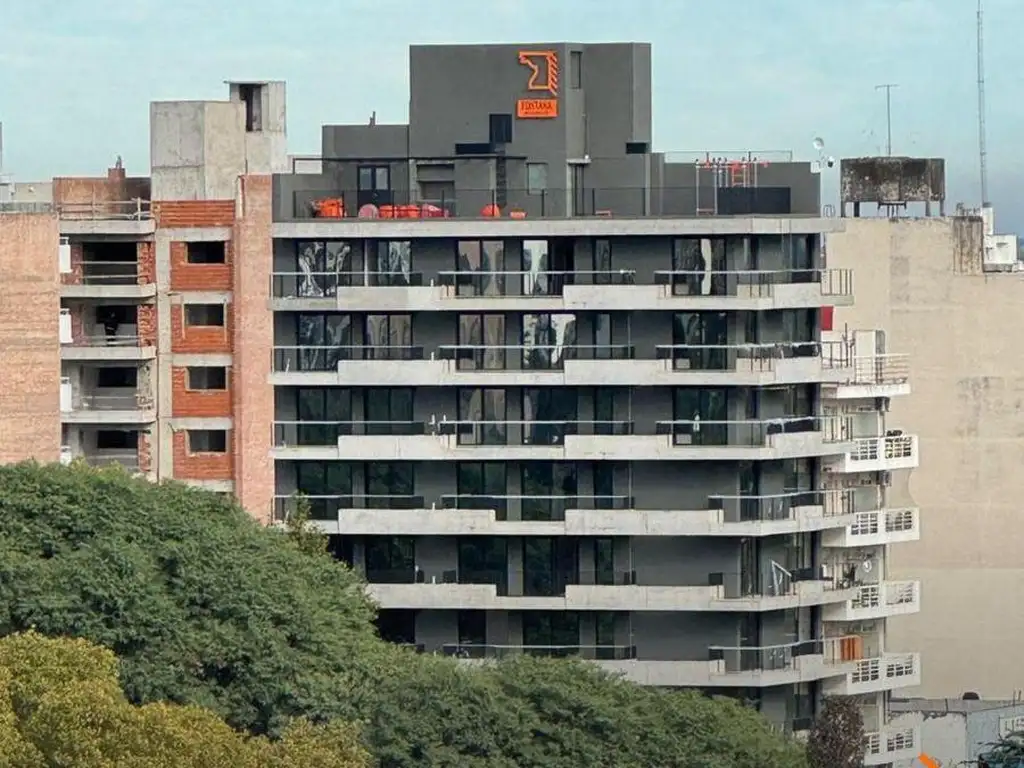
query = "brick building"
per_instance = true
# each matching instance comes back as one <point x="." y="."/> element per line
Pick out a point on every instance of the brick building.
<point x="132" y="288"/>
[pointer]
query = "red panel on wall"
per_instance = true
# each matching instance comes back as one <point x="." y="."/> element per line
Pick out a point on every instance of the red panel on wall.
<point x="827" y="315"/>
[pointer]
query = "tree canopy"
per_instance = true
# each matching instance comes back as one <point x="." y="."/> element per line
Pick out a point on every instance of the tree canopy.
<point x="206" y="609"/>
<point x="61" y="704"/>
<point x="837" y="738"/>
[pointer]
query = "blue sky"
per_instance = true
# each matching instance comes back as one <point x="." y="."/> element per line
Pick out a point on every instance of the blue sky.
<point x="76" y="76"/>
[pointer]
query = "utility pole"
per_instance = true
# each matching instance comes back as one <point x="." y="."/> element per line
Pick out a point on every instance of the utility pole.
<point x="982" y="151"/>
<point x="888" y="114"/>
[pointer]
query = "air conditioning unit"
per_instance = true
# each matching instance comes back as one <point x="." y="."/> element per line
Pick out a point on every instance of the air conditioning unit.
<point x="64" y="255"/>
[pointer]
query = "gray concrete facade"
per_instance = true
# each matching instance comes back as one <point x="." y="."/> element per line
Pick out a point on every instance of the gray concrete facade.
<point x="431" y="375"/>
<point x="539" y="130"/>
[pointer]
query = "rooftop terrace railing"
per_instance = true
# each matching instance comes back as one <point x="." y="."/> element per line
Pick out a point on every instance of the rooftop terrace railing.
<point x="527" y="203"/>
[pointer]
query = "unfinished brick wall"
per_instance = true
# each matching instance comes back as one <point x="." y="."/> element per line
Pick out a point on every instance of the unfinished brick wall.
<point x="85" y="196"/>
<point x="253" y="343"/>
<point x="30" y="425"/>
<point x="197" y="403"/>
<point x="201" y="466"/>
<point x="146" y="254"/>
<point x="181" y="214"/>
<point x="147" y="325"/>
<point x="199" y="277"/>
<point x="77" y="325"/>
<point x="145" y="452"/>
<point x="199" y="339"/>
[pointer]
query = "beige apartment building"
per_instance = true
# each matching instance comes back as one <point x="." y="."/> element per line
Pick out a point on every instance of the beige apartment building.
<point x="950" y="293"/>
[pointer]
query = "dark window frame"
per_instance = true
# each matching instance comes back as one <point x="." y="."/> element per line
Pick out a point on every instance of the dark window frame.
<point x="193" y="372"/>
<point x="216" y="311"/>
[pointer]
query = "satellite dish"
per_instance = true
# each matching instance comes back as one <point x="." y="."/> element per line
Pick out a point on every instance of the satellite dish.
<point x="818" y="143"/>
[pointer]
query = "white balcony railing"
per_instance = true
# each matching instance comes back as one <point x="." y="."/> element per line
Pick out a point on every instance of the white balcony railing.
<point x="890" y="746"/>
<point x="881" y="454"/>
<point x="878" y="601"/>
<point x="870" y="370"/>
<point x="887" y="594"/>
<point x="879" y="527"/>
<point x="882" y="673"/>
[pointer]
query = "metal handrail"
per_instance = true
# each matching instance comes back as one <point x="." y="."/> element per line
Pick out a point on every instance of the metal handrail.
<point x="136" y="209"/>
<point x="103" y="340"/>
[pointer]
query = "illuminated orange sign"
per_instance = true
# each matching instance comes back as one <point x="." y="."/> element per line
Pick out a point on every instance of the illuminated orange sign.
<point x="536" y="108"/>
<point x="543" y="66"/>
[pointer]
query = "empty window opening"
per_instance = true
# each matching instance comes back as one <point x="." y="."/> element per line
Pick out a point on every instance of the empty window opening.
<point x="206" y="252"/>
<point x="251" y="95"/>
<point x="204" y="315"/>
<point x="501" y="128"/>
<point x="207" y="378"/>
<point x="117" y="440"/>
<point x="576" y="69"/>
<point x="208" y="441"/>
<point x="108" y="252"/>
<point x="119" y="377"/>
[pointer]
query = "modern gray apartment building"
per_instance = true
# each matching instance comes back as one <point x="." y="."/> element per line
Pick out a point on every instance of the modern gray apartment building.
<point x="552" y="391"/>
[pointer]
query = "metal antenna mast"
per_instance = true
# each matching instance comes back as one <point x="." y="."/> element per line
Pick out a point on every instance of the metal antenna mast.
<point x="888" y="113"/>
<point x="982" y="151"/>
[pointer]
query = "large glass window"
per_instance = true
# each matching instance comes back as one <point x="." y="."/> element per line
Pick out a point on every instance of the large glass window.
<point x="799" y="326"/>
<point x="323" y="413"/>
<point x="604" y="484"/>
<point x="388" y="337"/>
<point x="551" y="633"/>
<point x="699" y="339"/>
<point x="701" y="415"/>
<point x="549" y="564"/>
<point x="481" y="267"/>
<point x="603" y="336"/>
<point x="387" y="483"/>
<point x="548" y="488"/>
<point x="327" y="486"/>
<point x="392" y="263"/>
<point x="484" y="560"/>
<point x="547" y="340"/>
<point x="605" y="635"/>
<point x="604" y="561"/>
<point x="605" y="422"/>
<point x="388" y="411"/>
<point x="324" y="340"/>
<point x="321" y="268"/>
<point x="390" y="559"/>
<point x="698" y="266"/>
<point x="482" y="417"/>
<point x="481" y="341"/>
<point x="549" y="414"/>
<point x="539" y="277"/>
<point x="397" y="626"/>
<point x="472" y="627"/>
<point x="602" y="261"/>
<point x="483" y="485"/>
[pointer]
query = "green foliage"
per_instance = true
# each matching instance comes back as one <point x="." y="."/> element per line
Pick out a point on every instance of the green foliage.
<point x="1008" y="752"/>
<point x="837" y="738"/>
<point x="199" y="602"/>
<point x="300" y="530"/>
<point x="63" y="706"/>
<point x="203" y="607"/>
